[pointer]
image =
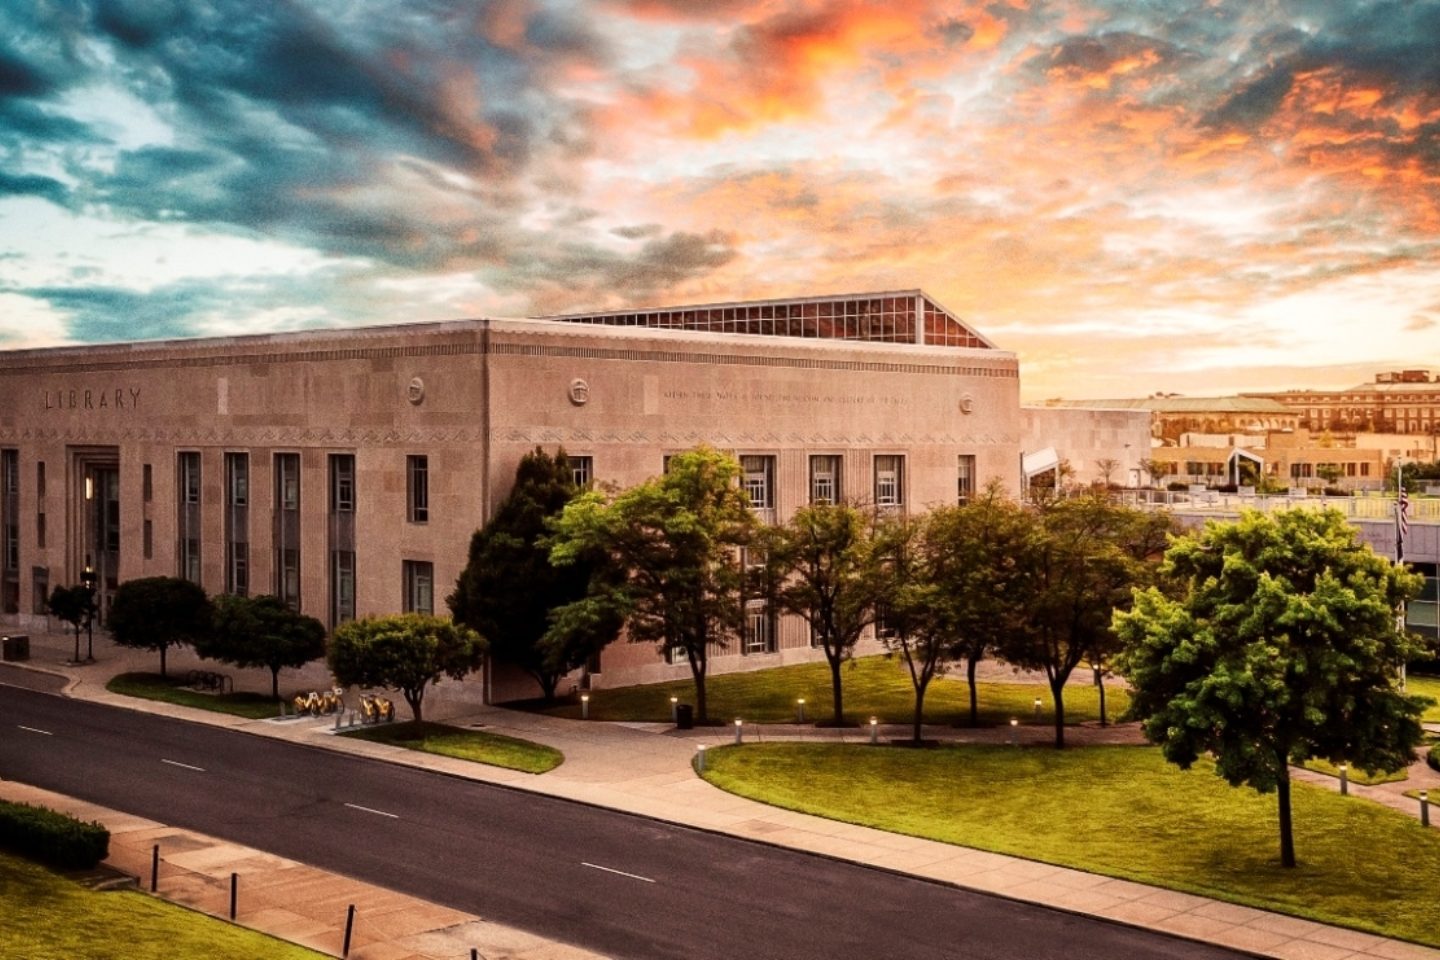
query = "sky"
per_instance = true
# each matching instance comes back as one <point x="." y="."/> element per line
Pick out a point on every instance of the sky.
<point x="1133" y="195"/>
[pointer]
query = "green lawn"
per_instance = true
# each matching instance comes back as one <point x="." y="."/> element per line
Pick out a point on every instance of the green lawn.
<point x="1119" y="811"/>
<point x="49" y="917"/>
<point x="151" y="686"/>
<point x="1426" y="687"/>
<point x="474" y="745"/>
<point x="873" y="687"/>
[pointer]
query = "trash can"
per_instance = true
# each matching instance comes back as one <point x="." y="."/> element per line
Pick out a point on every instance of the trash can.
<point x="684" y="716"/>
<point x="15" y="647"/>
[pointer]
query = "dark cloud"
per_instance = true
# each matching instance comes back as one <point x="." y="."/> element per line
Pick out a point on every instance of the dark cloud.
<point x="955" y="32"/>
<point x="19" y="78"/>
<point x="34" y="186"/>
<point x="1255" y="102"/>
<point x="100" y="314"/>
<point x="638" y="231"/>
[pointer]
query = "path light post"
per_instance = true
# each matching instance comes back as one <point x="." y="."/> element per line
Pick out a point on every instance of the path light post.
<point x="674" y="709"/>
<point x="1344" y="779"/>
<point x="584" y="706"/>
<point x="88" y="581"/>
<point x="874" y="730"/>
<point x="1424" y="808"/>
<point x="1037" y="708"/>
<point x="800" y="710"/>
<point x="1014" y="732"/>
<point x="700" y="757"/>
<point x="739" y="727"/>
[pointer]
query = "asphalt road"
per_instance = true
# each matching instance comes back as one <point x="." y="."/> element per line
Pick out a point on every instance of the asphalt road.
<point x="618" y="884"/>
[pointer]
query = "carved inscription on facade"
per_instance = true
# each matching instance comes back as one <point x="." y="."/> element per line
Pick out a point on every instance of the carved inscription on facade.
<point x="785" y="396"/>
<point x="116" y="398"/>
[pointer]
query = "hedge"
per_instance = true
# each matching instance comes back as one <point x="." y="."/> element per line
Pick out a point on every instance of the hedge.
<point x="43" y="835"/>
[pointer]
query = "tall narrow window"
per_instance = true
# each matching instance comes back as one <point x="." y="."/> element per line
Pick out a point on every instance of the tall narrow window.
<point x="147" y="483"/>
<point x="287" y="528"/>
<point x="10" y="531"/>
<point x="419" y="586"/>
<point x="825" y="479"/>
<point x="342" y="586"/>
<point x="237" y="524"/>
<point x="187" y="478"/>
<point x="582" y="470"/>
<point x="889" y="480"/>
<point x="965" y="478"/>
<point x="341" y="531"/>
<point x="758" y="480"/>
<point x="40" y="481"/>
<point x="342" y="483"/>
<point x="759" y="628"/>
<point x="417" y="488"/>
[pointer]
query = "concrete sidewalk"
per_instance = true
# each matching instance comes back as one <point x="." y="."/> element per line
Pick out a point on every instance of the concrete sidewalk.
<point x="646" y="769"/>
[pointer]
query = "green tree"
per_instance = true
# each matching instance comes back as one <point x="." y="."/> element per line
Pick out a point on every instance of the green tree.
<point x="509" y="587"/>
<point x="1085" y="557"/>
<point x="1156" y="470"/>
<point x="157" y="613"/>
<point x="974" y="577"/>
<point x="406" y="652"/>
<point x="672" y="547"/>
<point x="820" y="567"/>
<point x="905" y="620"/>
<point x="1281" y="646"/>
<point x="72" y="605"/>
<point x="261" y="632"/>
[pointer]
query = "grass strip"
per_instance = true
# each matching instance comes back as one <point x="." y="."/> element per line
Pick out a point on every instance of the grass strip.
<point x="474" y="745"/>
<point x="1354" y="775"/>
<point x="1118" y="811"/>
<point x="50" y="917"/>
<point x="151" y="686"/>
<point x="1422" y="686"/>
<point x="873" y="687"/>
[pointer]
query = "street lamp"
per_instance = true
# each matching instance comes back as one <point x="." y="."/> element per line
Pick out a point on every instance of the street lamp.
<point x="88" y="580"/>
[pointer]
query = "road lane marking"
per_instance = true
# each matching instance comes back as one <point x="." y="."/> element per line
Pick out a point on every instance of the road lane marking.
<point x="187" y="766"/>
<point x="632" y="876"/>
<point x="34" y="730"/>
<point x="378" y="813"/>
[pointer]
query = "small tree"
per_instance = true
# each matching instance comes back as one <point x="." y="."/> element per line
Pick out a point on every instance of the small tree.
<point x="672" y="547"/>
<point x="1085" y="558"/>
<point x="1156" y="470"/>
<point x="262" y="632"/>
<point x="72" y="605"/>
<point x="906" y="623"/>
<point x="509" y="588"/>
<point x="157" y="613"/>
<point x="820" y="567"/>
<point x="1107" y="466"/>
<point x="1282" y="646"/>
<point x="406" y="652"/>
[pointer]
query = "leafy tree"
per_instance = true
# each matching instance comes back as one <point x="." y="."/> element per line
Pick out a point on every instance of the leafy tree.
<point x="261" y="632"/>
<point x="672" y="545"/>
<point x="1281" y="646"/>
<point x="406" y="652"/>
<point x="1156" y="470"/>
<point x="509" y="587"/>
<point x="905" y="623"/>
<point x="1107" y="467"/>
<point x="1086" y="555"/>
<point x="820" y="567"/>
<point x="157" y="613"/>
<point x="974" y="576"/>
<point x="72" y="605"/>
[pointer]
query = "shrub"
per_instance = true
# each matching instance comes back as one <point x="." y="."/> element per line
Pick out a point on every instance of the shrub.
<point x="57" y="839"/>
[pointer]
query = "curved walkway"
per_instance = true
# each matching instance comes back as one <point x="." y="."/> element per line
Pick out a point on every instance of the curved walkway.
<point x="646" y="769"/>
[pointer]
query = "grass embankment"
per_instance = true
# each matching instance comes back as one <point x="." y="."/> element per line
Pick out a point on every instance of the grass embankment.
<point x="1426" y="687"/>
<point x="1118" y="811"/>
<point x="49" y="917"/>
<point x="1354" y="775"/>
<point x="151" y="686"/>
<point x="873" y="687"/>
<point x="474" y="745"/>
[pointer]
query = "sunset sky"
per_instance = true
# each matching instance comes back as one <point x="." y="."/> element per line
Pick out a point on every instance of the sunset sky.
<point x="1134" y="195"/>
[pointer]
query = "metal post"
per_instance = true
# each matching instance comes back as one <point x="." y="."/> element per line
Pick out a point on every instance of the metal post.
<point x="1014" y="732"/>
<point x="739" y="727"/>
<point x="700" y="757"/>
<point x="337" y="718"/>
<point x="1424" y="808"/>
<point x="800" y="710"/>
<point x="874" y="731"/>
<point x="1037" y="708"/>
<point x="154" y="868"/>
<point x="1344" y="780"/>
<point x="584" y="706"/>
<point x="674" y="709"/>
<point x="349" y="926"/>
<point x="234" y="892"/>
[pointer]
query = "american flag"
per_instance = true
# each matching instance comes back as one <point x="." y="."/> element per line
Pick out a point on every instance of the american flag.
<point x="1402" y="522"/>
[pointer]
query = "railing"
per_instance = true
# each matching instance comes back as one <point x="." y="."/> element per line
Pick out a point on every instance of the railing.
<point x="1367" y="507"/>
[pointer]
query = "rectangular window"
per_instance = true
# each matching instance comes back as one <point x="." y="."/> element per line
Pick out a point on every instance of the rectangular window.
<point x="147" y="537"/>
<point x="889" y="480"/>
<point x="417" y="489"/>
<point x="187" y="478"/>
<point x="237" y="524"/>
<point x="342" y="483"/>
<point x="825" y="479"/>
<point x="147" y="483"/>
<point x="288" y="478"/>
<point x="287" y="529"/>
<point x="40" y="595"/>
<point x="290" y="577"/>
<point x="582" y="471"/>
<point x="965" y="478"/>
<point x="758" y="481"/>
<point x="40" y="530"/>
<point x="10" y="522"/>
<point x="759" y="629"/>
<point x="419" y="586"/>
<point x="342" y="580"/>
<point x="237" y="479"/>
<point x="237" y="569"/>
<point x="40" y="482"/>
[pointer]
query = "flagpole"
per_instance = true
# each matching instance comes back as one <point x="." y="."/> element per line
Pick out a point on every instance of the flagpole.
<point x="1400" y="548"/>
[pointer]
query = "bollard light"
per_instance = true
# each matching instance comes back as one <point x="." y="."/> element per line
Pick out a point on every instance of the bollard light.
<point x="739" y="728"/>
<point x="800" y="710"/>
<point x="1014" y="732"/>
<point x="1037" y="708"/>
<point x="700" y="757"/>
<point x="584" y="706"/>
<point x="1424" y="808"/>
<point x="1344" y="780"/>
<point x="674" y="709"/>
<point x="874" y="730"/>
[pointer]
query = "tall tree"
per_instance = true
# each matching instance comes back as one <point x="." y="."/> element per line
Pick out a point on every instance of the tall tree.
<point x="1281" y="646"/>
<point x="821" y="567"/>
<point x="672" y="547"/>
<point x="1087" y="555"/>
<point x="157" y="613"/>
<point x="975" y="576"/>
<point x="906" y="622"/>
<point x="407" y="652"/>
<point x="509" y="587"/>
<point x="261" y="632"/>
